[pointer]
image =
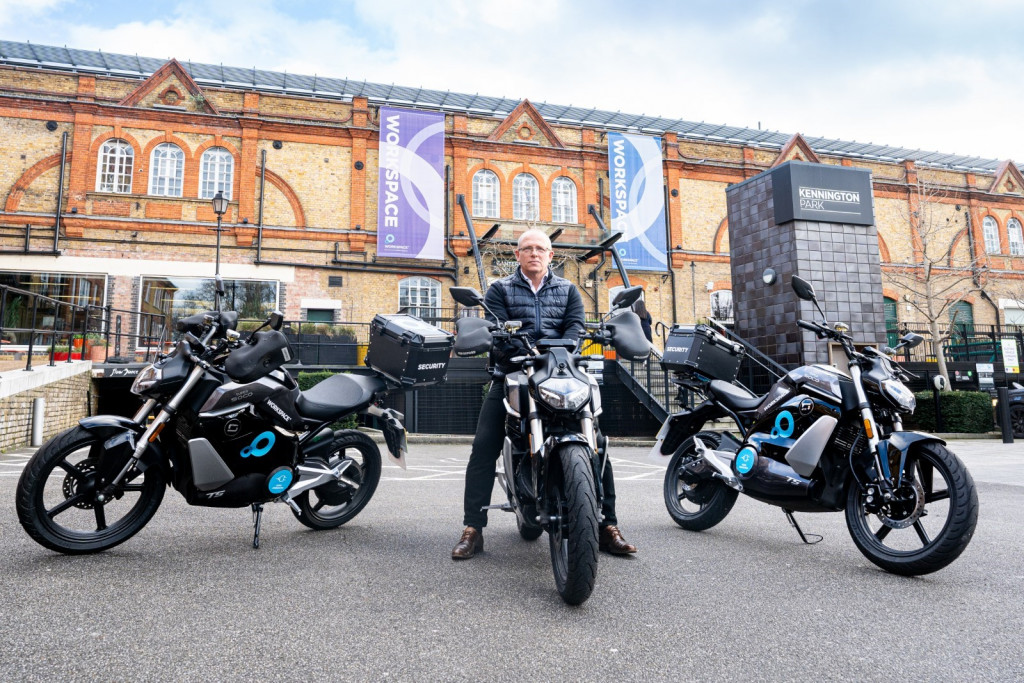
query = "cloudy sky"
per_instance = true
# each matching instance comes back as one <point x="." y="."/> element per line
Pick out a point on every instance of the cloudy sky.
<point x="943" y="75"/>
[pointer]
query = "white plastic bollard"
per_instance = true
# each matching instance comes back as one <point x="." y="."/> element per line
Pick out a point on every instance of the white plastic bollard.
<point x="38" y="415"/>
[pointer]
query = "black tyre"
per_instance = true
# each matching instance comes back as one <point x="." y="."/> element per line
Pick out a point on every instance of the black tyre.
<point x="696" y="503"/>
<point x="57" y="497"/>
<point x="573" y="537"/>
<point x="1017" y="421"/>
<point x="929" y="521"/>
<point x="332" y="504"/>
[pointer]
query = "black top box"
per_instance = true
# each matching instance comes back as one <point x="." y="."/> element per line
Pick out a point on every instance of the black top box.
<point x="409" y="351"/>
<point x="698" y="349"/>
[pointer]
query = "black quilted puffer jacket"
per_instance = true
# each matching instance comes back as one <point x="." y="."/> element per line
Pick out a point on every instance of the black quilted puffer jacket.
<point x="554" y="312"/>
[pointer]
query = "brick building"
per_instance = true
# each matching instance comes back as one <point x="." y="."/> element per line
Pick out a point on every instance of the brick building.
<point x="121" y="155"/>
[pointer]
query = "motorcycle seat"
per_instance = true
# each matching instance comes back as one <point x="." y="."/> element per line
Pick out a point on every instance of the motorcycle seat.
<point x="338" y="395"/>
<point x="733" y="397"/>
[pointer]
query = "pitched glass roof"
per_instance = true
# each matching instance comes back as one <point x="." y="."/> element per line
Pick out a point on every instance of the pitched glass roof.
<point x="133" y="66"/>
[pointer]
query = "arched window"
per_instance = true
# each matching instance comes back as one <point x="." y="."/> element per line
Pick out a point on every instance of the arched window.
<point x="216" y="173"/>
<point x="485" y="194"/>
<point x="1016" y="239"/>
<point x="166" y="169"/>
<point x="114" y="170"/>
<point x="563" y="200"/>
<point x="990" y="229"/>
<point x="420" y="296"/>
<point x="721" y="305"/>
<point x="525" y="198"/>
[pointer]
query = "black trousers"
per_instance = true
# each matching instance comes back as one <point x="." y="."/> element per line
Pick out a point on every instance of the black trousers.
<point x="483" y="459"/>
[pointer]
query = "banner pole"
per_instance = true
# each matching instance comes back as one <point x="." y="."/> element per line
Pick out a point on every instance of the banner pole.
<point x="615" y="252"/>
<point x="472" y="239"/>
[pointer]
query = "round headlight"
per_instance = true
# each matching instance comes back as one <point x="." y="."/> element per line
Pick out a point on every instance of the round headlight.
<point x="900" y="395"/>
<point x="564" y="393"/>
<point x="145" y="380"/>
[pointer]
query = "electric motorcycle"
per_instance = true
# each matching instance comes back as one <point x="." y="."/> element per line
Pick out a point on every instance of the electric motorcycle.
<point x="554" y="454"/>
<point x="226" y="427"/>
<point x="821" y="440"/>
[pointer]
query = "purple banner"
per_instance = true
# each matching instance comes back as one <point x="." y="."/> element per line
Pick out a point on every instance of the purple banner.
<point x="410" y="197"/>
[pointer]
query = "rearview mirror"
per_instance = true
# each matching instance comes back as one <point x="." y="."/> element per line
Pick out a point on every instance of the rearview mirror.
<point x="467" y="296"/>
<point x="803" y="288"/>
<point x="275" y="320"/>
<point x="627" y="297"/>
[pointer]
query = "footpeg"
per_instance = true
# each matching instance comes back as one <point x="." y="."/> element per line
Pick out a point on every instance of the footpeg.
<point x="506" y="507"/>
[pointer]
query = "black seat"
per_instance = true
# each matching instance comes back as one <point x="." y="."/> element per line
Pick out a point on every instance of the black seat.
<point x="337" y="395"/>
<point x="733" y="397"/>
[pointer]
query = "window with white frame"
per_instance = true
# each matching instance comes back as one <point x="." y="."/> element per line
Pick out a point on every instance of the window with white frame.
<point x="525" y="198"/>
<point x="486" y="193"/>
<point x="990" y="229"/>
<point x="721" y="305"/>
<point x="563" y="200"/>
<point x="114" y="167"/>
<point x="420" y="296"/>
<point x="166" y="170"/>
<point x="1015" y="237"/>
<point x="216" y="173"/>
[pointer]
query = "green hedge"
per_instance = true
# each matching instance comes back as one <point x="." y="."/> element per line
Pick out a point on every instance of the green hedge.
<point x="963" y="412"/>
<point x="307" y="380"/>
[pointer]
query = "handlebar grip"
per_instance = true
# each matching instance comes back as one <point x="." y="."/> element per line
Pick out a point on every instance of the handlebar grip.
<point x="813" y="327"/>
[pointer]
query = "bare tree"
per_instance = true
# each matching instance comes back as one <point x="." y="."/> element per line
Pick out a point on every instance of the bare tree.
<point x="939" y="269"/>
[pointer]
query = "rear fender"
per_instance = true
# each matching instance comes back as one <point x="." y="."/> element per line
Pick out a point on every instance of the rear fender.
<point x="678" y="427"/>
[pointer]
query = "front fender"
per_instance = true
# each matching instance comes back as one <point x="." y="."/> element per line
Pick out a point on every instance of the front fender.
<point x="899" y="443"/>
<point x="120" y="438"/>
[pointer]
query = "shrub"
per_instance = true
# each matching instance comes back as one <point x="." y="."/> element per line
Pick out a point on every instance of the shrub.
<point x="307" y="380"/>
<point x="965" y="412"/>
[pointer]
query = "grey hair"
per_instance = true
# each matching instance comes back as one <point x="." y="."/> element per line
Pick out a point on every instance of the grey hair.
<point x="534" y="231"/>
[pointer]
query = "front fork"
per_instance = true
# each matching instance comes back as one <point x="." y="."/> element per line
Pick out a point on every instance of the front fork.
<point x="881" y="459"/>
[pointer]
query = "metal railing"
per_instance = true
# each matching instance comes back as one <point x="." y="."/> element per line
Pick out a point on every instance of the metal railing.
<point x="966" y="343"/>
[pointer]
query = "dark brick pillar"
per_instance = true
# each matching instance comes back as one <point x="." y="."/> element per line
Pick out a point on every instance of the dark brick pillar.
<point x="839" y="259"/>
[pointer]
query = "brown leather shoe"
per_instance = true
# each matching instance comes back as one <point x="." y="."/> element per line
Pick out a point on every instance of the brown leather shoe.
<point x="610" y="540"/>
<point x="471" y="543"/>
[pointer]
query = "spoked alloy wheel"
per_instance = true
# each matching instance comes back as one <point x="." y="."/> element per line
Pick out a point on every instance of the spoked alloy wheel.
<point x="928" y="522"/>
<point x="1017" y="421"/>
<point x="332" y="504"/>
<point x="57" y="497"/>
<point x="573" y="538"/>
<point x="693" y="503"/>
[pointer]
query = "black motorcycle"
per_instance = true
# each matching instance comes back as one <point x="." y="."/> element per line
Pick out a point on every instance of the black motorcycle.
<point x="554" y="453"/>
<point x="821" y="440"/>
<point x="224" y="425"/>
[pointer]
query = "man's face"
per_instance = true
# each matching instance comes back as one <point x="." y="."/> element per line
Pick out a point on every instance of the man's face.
<point x="533" y="256"/>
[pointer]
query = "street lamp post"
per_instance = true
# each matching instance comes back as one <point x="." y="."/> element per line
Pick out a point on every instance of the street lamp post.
<point x="220" y="206"/>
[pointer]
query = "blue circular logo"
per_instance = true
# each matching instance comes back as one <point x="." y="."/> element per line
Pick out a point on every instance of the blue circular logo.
<point x="261" y="445"/>
<point x="280" y="480"/>
<point x="784" y="424"/>
<point x="745" y="460"/>
<point x="389" y="238"/>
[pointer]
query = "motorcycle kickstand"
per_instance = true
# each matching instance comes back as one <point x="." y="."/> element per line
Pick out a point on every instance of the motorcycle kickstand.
<point x="792" y="521"/>
<point x="257" y="520"/>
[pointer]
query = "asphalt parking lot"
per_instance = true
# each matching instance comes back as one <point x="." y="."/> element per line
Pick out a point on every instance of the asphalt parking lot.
<point x="380" y="599"/>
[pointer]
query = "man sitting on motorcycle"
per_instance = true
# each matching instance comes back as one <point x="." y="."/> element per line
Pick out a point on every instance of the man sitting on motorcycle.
<point x="517" y="297"/>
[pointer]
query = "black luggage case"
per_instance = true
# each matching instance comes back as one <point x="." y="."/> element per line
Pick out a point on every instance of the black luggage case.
<point x="699" y="349"/>
<point x="409" y="351"/>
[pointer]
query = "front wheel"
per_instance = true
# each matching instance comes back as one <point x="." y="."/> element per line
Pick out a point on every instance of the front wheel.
<point x="927" y="522"/>
<point x="334" y="503"/>
<point x="58" y="498"/>
<point x="696" y="503"/>
<point x="573" y="535"/>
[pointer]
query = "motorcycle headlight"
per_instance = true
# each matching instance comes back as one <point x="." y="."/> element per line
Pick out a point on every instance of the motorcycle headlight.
<point x="145" y="380"/>
<point x="900" y="395"/>
<point x="564" y="393"/>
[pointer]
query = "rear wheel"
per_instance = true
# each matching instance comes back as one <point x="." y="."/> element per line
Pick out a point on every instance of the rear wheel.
<point x="696" y="503"/>
<point x="928" y="520"/>
<point x="573" y="535"/>
<point x="334" y="503"/>
<point x="59" y="502"/>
